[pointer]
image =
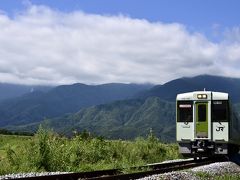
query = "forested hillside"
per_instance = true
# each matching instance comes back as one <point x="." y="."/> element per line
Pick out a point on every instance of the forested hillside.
<point x="124" y="119"/>
<point x="112" y="110"/>
<point x="37" y="105"/>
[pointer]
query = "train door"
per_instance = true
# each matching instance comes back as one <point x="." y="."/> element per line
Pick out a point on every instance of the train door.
<point x="201" y="119"/>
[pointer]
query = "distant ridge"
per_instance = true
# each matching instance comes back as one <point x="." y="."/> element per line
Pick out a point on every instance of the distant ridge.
<point x="36" y="106"/>
<point x="112" y="110"/>
<point x="169" y="90"/>
<point x="15" y="90"/>
<point x="125" y="119"/>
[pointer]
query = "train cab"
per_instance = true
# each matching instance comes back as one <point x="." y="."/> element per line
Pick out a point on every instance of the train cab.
<point x="202" y="123"/>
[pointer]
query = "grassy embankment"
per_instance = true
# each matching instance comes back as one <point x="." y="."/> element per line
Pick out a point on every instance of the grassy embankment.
<point x="47" y="151"/>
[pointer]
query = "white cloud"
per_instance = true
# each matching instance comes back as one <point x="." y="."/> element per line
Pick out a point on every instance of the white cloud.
<point x="45" y="46"/>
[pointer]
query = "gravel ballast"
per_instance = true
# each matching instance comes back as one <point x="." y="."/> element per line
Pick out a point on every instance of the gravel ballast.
<point x="214" y="169"/>
<point x="32" y="174"/>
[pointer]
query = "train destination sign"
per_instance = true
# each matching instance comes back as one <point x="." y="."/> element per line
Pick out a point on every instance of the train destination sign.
<point x="185" y="105"/>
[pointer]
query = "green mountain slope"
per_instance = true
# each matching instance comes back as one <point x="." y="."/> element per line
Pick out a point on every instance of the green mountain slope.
<point x="36" y="106"/>
<point x="124" y="119"/>
<point x="86" y="107"/>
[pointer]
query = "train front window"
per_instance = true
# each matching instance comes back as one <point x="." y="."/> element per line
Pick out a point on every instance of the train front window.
<point x="185" y="111"/>
<point x="220" y="111"/>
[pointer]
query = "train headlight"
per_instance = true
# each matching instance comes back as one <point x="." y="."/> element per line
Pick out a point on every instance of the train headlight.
<point x="202" y="96"/>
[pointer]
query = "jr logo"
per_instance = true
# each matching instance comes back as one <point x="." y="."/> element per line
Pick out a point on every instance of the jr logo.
<point x="219" y="128"/>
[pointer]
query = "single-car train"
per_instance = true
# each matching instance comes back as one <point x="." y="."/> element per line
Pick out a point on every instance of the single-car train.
<point x="206" y="124"/>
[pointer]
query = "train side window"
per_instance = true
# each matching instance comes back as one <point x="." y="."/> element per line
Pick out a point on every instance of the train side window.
<point x="220" y="111"/>
<point x="185" y="111"/>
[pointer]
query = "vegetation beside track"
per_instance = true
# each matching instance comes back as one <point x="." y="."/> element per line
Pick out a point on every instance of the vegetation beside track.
<point x="47" y="151"/>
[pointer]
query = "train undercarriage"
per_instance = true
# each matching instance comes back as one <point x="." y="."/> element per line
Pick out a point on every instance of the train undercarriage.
<point x="205" y="148"/>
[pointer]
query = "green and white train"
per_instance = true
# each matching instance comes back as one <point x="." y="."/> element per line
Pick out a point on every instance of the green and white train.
<point x="206" y="124"/>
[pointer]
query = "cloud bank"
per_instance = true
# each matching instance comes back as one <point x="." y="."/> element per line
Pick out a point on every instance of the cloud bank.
<point x="45" y="46"/>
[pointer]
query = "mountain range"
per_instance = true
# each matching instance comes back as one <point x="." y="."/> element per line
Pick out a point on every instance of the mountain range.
<point x="37" y="105"/>
<point x="170" y="90"/>
<point x="112" y="110"/>
<point x="125" y="119"/>
<point x="15" y="90"/>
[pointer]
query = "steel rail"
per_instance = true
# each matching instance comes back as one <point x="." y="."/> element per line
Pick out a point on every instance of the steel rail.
<point x="157" y="169"/>
<point x="145" y="170"/>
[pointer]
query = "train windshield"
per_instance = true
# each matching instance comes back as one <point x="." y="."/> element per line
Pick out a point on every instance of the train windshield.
<point x="184" y="111"/>
<point x="220" y="111"/>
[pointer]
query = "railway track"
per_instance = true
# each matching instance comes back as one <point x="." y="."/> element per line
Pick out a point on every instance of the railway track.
<point x="139" y="172"/>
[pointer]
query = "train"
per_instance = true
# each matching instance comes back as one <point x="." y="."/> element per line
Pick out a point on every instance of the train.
<point x="206" y="124"/>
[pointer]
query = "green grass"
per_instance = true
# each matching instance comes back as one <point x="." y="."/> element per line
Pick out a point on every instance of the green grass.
<point x="11" y="141"/>
<point x="47" y="151"/>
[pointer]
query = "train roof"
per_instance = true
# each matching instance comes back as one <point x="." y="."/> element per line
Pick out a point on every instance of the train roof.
<point x="207" y="95"/>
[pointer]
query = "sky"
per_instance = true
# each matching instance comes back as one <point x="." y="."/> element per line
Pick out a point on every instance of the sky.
<point x="57" y="42"/>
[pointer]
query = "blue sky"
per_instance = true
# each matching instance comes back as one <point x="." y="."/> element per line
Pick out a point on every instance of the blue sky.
<point x="102" y="41"/>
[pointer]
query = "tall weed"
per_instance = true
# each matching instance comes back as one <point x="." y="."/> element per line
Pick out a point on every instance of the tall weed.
<point x="47" y="151"/>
